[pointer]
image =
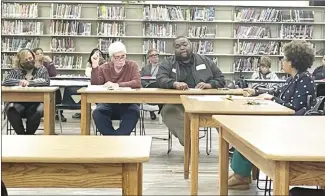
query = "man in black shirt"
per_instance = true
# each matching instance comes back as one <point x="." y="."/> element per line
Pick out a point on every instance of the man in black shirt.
<point x="183" y="71"/>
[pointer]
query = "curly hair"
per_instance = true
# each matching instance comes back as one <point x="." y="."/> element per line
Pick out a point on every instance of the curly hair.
<point x="266" y="61"/>
<point x="300" y="54"/>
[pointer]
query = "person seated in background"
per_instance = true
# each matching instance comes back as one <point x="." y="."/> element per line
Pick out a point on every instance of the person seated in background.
<point x="183" y="71"/>
<point x="119" y="72"/>
<point x="151" y="69"/>
<point x="46" y="61"/>
<point x="298" y="57"/>
<point x="264" y="73"/>
<point x="26" y="74"/>
<point x="94" y="54"/>
<point x="319" y="72"/>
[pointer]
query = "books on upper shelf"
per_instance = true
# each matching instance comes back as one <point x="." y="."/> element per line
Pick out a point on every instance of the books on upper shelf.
<point x="65" y="10"/>
<point x="160" y="45"/>
<point x="246" y="64"/>
<point x="203" y="46"/>
<point x="163" y="13"/>
<point x="104" y="43"/>
<point x="65" y="44"/>
<point x="297" y="31"/>
<point x="19" y="10"/>
<point x="252" y="32"/>
<point x="63" y="27"/>
<point x="111" y="29"/>
<point x="7" y="60"/>
<point x="201" y="13"/>
<point x="257" y="48"/>
<point x="16" y="44"/>
<point x="273" y="15"/>
<point x="202" y="31"/>
<point x="20" y="27"/>
<point x="159" y="29"/>
<point x="111" y="12"/>
<point x="67" y="61"/>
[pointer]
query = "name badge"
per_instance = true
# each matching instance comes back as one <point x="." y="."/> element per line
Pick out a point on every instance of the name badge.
<point x="200" y="67"/>
<point x="174" y="70"/>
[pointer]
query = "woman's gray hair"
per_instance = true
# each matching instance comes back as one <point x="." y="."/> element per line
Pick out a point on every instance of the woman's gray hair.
<point x="116" y="47"/>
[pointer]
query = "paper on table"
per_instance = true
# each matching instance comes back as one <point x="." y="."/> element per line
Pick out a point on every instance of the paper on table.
<point x="194" y="89"/>
<point x="206" y="98"/>
<point x="96" y="87"/>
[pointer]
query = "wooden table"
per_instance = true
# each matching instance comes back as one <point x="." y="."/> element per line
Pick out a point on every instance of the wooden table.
<point x="289" y="149"/>
<point x="75" y="162"/>
<point x="199" y="113"/>
<point x="143" y="95"/>
<point x="35" y="94"/>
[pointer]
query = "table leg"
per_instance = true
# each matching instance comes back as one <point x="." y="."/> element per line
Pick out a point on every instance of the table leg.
<point x="187" y="140"/>
<point x="140" y="180"/>
<point x="49" y="113"/>
<point x="223" y="164"/>
<point x="85" y="115"/>
<point x="194" y="153"/>
<point x="130" y="177"/>
<point x="281" y="178"/>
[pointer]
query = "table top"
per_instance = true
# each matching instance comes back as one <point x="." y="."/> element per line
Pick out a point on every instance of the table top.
<point x="70" y="83"/>
<point x="283" y="138"/>
<point x="75" y="149"/>
<point x="101" y="90"/>
<point x="19" y="89"/>
<point x="277" y="81"/>
<point x="212" y="104"/>
<point x="70" y="78"/>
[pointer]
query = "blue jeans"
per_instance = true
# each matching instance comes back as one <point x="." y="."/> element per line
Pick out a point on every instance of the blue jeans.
<point x="128" y="114"/>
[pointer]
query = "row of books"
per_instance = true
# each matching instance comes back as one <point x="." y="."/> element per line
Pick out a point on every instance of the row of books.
<point x="7" y="60"/>
<point x="252" y="32"/>
<point x="20" y="27"/>
<point x="160" y="29"/>
<point x="296" y="31"/>
<point x="246" y="64"/>
<point x="273" y="15"/>
<point x="18" y="10"/>
<point x="111" y="12"/>
<point x="203" y="47"/>
<point x="103" y="44"/>
<point x="160" y="45"/>
<point x="16" y="44"/>
<point x="202" y="31"/>
<point x="257" y="48"/>
<point x="65" y="44"/>
<point x="65" y="10"/>
<point x="67" y="61"/>
<point x="111" y="29"/>
<point x="163" y="13"/>
<point x="63" y="27"/>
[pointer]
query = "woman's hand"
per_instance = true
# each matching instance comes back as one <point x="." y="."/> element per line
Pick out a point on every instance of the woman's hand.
<point x="265" y="96"/>
<point x="95" y="60"/>
<point x="248" y="92"/>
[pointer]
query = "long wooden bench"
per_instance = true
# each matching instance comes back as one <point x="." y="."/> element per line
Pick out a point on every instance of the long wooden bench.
<point x="42" y="161"/>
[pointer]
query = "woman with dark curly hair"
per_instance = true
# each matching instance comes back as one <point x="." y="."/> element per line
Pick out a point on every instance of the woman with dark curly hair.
<point x="298" y="57"/>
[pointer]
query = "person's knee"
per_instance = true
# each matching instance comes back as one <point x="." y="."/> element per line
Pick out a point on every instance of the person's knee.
<point x="40" y="110"/>
<point x="96" y="113"/>
<point x="172" y="113"/>
<point x="134" y="109"/>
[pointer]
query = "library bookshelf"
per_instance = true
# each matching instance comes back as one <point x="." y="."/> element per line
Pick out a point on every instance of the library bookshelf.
<point x="235" y="36"/>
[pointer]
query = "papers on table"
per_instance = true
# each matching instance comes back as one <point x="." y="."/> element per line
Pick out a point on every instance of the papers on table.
<point x="102" y="87"/>
<point x="206" y="98"/>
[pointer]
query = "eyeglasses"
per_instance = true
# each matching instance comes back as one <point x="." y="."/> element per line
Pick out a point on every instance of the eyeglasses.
<point x="153" y="55"/>
<point x="119" y="57"/>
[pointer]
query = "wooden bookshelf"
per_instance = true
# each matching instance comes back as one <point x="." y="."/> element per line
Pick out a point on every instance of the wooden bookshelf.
<point x="223" y="39"/>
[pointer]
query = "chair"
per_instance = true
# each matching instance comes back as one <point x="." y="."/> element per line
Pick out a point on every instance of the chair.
<point x="67" y="102"/>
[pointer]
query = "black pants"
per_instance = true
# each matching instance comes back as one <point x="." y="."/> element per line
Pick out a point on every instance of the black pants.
<point x="3" y="189"/>
<point x="33" y="112"/>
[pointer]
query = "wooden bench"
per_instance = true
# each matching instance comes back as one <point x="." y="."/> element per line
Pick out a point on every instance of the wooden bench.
<point x="42" y="161"/>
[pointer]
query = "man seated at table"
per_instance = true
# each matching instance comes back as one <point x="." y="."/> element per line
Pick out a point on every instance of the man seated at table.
<point x="119" y="72"/>
<point x="319" y="72"/>
<point x="26" y="74"/>
<point x="183" y="71"/>
<point x="264" y="73"/>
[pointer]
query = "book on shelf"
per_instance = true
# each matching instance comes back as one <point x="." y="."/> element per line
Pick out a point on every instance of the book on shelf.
<point x="67" y="61"/>
<point x="252" y="32"/>
<point x="273" y="15"/>
<point x="257" y="48"/>
<point x="63" y="27"/>
<point x="66" y="11"/>
<point x="245" y="64"/>
<point x="159" y="29"/>
<point x="111" y="29"/>
<point x="201" y="14"/>
<point x="65" y="44"/>
<point x="19" y="10"/>
<point x="202" y="31"/>
<point x="7" y="60"/>
<point x="160" y="45"/>
<point x="163" y="13"/>
<point x="111" y="12"/>
<point x="20" y="27"/>
<point x="16" y="44"/>
<point x="104" y="43"/>
<point x="203" y="46"/>
<point x="296" y="31"/>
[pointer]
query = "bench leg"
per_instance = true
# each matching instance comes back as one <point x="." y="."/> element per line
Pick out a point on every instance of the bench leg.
<point x="131" y="178"/>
